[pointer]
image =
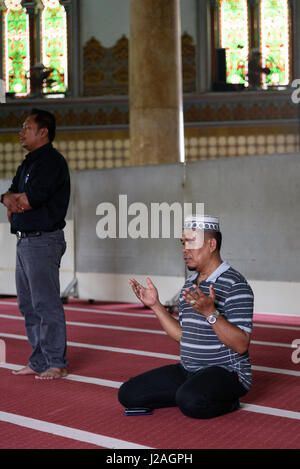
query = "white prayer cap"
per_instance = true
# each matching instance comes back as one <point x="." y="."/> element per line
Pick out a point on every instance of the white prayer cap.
<point x="201" y="222"/>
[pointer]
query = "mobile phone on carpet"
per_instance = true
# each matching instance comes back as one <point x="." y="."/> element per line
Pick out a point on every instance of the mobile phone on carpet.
<point x="137" y="411"/>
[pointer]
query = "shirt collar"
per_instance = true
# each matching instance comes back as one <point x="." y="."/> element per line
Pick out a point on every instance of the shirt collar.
<point x="36" y="153"/>
<point x="214" y="275"/>
<point x="219" y="271"/>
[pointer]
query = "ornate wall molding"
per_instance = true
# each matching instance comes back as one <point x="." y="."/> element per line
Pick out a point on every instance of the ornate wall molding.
<point x="105" y="69"/>
<point x="199" y="109"/>
<point x="188" y="52"/>
<point x="245" y="106"/>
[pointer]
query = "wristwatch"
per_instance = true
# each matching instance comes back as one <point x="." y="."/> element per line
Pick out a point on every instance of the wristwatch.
<point x="1" y="199"/>
<point x="213" y="317"/>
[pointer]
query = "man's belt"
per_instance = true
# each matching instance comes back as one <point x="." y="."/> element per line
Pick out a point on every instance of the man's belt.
<point x="27" y="234"/>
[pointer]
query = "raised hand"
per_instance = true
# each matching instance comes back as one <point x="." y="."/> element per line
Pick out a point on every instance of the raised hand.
<point x="148" y="296"/>
<point x="203" y="304"/>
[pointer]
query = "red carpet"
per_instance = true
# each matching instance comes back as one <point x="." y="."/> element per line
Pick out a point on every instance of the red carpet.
<point x="89" y="412"/>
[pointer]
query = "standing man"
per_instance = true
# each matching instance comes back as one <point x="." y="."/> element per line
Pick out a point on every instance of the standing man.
<point x="37" y="203"/>
<point x="214" y="328"/>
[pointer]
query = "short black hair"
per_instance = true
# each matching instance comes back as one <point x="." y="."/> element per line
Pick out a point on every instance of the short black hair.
<point x="217" y="235"/>
<point x="45" y="119"/>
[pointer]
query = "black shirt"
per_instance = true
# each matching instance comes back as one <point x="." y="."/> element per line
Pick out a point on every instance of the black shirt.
<point x="44" y="177"/>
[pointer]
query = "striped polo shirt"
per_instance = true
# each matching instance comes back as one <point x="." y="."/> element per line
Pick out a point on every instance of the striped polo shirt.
<point x="200" y="347"/>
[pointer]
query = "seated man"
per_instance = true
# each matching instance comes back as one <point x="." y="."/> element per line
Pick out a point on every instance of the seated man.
<point x="214" y="328"/>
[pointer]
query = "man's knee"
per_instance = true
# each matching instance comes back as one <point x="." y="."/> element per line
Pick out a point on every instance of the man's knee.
<point x="194" y="406"/>
<point x="130" y="394"/>
<point x="200" y="407"/>
<point x="124" y="394"/>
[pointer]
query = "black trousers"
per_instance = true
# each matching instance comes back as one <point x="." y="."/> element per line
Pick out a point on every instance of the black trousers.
<point x="207" y="393"/>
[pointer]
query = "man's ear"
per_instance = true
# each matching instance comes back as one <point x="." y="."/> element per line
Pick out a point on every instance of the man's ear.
<point x="212" y="242"/>
<point x="44" y="132"/>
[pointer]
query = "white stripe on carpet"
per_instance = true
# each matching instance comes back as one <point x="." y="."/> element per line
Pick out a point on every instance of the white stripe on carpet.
<point x="99" y="326"/>
<point x="260" y="409"/>
<point x="136" y="351"/>
<point x="116" y="384"/>
<point x="69" y="432"/>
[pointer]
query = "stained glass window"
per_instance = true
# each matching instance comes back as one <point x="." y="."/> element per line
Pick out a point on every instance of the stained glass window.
<point x="234" y="38"/>
<point x="17" y="54"/>
<point x="274" y="26"/>
<point x="54" y="44"/>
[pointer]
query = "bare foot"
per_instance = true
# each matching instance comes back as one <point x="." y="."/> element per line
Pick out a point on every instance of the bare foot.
<point x="53" y="373"/>
<point x="24" y="371"/>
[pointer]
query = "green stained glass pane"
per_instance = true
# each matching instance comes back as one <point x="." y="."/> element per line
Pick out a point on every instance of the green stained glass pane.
<point x="16" y="33"/>
<point x="275" y="40"/>
<point x="54" y="39"/>
<point x="234" y="38"/>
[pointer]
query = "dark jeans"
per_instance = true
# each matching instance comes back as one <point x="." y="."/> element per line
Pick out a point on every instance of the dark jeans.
<point x="38" y="290"/>
<point x="207" y="393"/>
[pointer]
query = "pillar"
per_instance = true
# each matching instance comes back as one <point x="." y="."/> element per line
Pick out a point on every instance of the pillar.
<point x="155" y="82"/>
<point x="31" y="7"/>
<point x="73" y="27"/>
<point x="204" y="46"/>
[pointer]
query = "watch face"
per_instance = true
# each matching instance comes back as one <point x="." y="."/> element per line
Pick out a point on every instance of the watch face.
<point x="211" y="319"/>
